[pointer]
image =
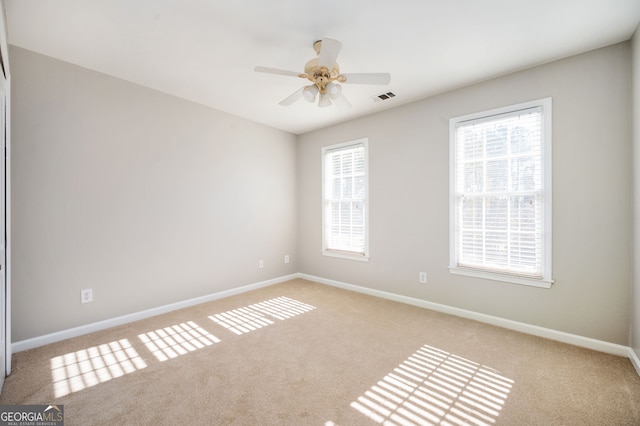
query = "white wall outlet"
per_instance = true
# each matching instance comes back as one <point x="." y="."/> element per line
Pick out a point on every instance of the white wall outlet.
<point x="286" y="258"/>
<point x="260" y="263"/>
<point x="423" y="277"/>
<point x="86" y="295"/>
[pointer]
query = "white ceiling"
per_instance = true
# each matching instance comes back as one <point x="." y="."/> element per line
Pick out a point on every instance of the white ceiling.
<point x="205" y="50"/>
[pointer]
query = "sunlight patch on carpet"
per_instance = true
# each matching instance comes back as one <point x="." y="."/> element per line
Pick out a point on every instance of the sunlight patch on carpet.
<point x="171" y="342"/>
<point x="258" y="315"/>
<point x="434" y="387"/>
<point x="82" y="369"/>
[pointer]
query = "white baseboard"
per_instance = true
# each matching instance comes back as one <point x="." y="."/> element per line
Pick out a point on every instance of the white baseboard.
<point x="573" y="339"/>
<point x="634" y="357"/>
<point x="23" y="345"/>
<point x="586" y="342"/>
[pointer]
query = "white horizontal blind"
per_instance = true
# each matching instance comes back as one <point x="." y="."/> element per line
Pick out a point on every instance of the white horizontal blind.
<point x="345" y="199"/>
<point x="498" y="193"/>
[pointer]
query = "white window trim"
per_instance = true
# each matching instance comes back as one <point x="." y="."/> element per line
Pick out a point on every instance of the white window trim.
<point x="546" y="281"/>
<point x="341" y="253"/>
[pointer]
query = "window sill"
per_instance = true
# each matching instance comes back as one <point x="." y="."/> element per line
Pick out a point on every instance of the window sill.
<point x="541" y="283"/>
<point x="346" y="255"/>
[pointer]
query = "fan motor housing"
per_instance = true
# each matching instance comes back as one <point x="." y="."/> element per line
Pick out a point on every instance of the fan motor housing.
<point x="312" y="68"/>
<point x="320" y="76"/>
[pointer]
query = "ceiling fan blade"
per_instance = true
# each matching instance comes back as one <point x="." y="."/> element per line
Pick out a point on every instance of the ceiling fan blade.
<point x="329" y="52"/>
<point x="368" y="78"/>
<point x="292" y="98"/>
<point x="276" y="71"/>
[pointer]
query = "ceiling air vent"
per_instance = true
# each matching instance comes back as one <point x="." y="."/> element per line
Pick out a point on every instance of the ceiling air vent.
<point x="383" y="97"/>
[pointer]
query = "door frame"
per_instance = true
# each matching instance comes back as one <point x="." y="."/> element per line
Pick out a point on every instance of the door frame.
<point x="6" y="153"/>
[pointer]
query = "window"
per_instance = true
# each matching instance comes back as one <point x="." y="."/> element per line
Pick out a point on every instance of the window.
<point x="345" y="204"/>
<point x="501" y="194"/>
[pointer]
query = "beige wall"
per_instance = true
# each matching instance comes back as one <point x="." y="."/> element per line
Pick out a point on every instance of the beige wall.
<point x="409" y="198"/>
<point x="146" y="198"/>
<point x="635" y="326"/>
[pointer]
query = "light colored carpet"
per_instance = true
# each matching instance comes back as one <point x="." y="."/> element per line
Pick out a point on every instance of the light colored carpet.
<point x="301" y="353"/>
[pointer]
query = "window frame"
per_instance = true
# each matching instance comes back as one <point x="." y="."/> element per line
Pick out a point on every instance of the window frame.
<point x="333" y="252"/>
<point x="546" y="226"/>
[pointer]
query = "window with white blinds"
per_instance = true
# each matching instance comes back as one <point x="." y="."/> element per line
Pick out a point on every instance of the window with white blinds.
<point x="345" y="204"/>
<point x="501" y="194"/>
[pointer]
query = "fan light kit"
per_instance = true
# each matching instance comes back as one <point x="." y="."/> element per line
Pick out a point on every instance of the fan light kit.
<point x="324" y="74"/>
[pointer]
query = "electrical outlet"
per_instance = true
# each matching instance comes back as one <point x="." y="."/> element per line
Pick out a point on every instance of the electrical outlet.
<point x="423" y="277"/>
<point x="86" y="295"/>
<point x="260" y="263"/>
<point x="286" y="258"/>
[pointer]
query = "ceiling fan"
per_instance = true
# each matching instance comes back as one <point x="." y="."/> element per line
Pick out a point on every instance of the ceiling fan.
<point x="324" y="74"/>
